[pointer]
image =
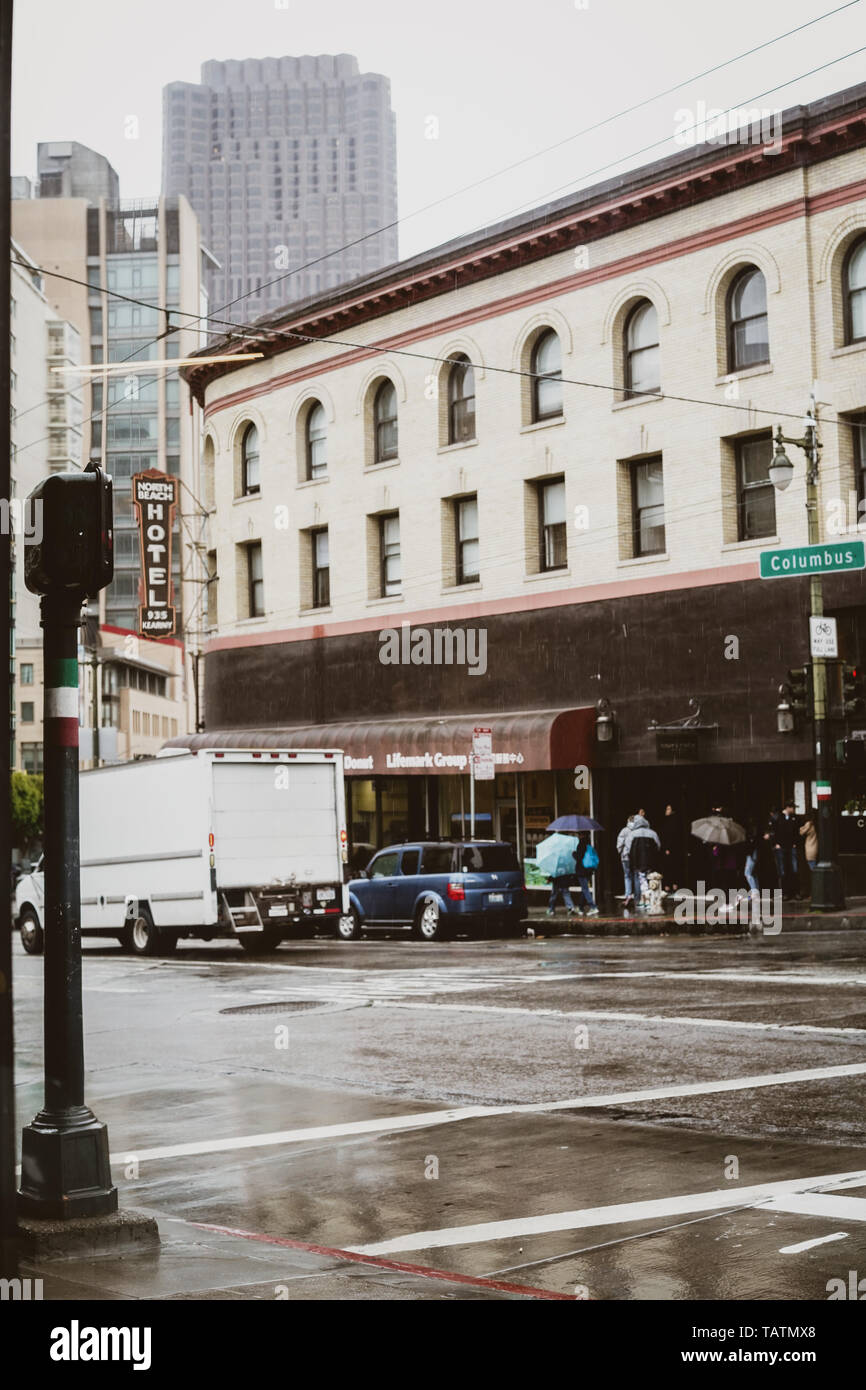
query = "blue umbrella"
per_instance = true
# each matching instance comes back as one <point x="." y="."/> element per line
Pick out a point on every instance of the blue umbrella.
<point x="574" y="824"/>
<point x="555" y="855"/>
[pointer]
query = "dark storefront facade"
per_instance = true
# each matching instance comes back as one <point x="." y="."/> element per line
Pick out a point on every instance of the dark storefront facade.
<point x="703" y="663"/>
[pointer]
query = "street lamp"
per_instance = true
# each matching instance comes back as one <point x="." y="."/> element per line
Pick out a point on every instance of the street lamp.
<point x="826" y="878"/>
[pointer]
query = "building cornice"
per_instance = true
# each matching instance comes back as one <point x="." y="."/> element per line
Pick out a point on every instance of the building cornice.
<point x="626" y="265"/>
<point x="809" y="137"/>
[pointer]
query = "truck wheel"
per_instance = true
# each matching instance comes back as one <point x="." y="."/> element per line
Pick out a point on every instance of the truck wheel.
<point x="429" y="925"/>
<point x="260" y="943"/>
<point x="32" y="937"/>
<point x="142" y="938"/>
<point x="349" y="926"/>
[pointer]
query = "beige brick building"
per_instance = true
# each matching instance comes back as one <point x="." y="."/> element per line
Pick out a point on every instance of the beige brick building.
<point x="592" y="492"/>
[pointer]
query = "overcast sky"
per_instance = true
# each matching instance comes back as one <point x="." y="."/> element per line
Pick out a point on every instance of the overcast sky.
<point x="503" y="78"/>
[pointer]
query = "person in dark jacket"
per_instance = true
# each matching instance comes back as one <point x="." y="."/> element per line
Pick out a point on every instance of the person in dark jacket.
<point x="582" y="876"/>
<point x="671" y="844"/>
<point x="785" y="839"/>
<point x="644" y="850"/>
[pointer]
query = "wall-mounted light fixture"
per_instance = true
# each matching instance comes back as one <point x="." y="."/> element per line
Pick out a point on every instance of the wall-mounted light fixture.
<point x="784" y="712"/>
<point x="604" y="724"/>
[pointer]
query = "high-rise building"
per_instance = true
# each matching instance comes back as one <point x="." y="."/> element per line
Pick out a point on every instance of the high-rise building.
<point x="135" y="419"/>
<point x="284" y="160"/>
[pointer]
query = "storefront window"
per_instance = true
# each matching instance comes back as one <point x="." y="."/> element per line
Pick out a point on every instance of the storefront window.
<point x="395" y="809"/>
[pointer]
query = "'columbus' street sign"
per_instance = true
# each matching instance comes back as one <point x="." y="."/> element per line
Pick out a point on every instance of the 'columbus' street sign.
<point x="813" y="559"/>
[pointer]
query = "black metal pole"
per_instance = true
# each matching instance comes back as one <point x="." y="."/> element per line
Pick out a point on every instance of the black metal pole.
<point x="8" y="1219"/>
<point x="65" y="1168"/>
<point x="828" y="894"/>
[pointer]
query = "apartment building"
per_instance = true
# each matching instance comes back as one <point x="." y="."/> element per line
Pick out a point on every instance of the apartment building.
<point x="46" y="435"/>
<point x="116" y="252"/>
<point x="554" y="440"/>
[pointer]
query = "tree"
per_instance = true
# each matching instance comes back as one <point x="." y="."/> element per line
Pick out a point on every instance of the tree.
<point x="27" y="806"/>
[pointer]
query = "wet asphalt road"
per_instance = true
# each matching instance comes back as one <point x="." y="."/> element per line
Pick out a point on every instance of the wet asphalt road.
<point x="582" y="1131"/>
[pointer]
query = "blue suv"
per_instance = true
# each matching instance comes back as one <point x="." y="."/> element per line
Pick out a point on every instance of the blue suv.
<point x="436" y="888"/>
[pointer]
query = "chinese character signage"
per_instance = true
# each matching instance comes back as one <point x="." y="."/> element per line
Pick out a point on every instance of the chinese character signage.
<point x="155" y="498"/>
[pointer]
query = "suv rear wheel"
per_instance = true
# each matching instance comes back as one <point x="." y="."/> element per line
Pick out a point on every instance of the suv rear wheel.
<point x="429" y="924"/>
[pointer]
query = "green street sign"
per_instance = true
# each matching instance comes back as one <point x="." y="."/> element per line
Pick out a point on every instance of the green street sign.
<point x="813" y="559"/>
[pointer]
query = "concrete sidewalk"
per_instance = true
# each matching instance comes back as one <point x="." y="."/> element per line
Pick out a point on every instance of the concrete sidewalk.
<point x="197" y="1261"/>
<point x="796" y="917"/>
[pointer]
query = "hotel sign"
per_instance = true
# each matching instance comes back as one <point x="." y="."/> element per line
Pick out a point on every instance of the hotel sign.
<point x="155" y="497"/>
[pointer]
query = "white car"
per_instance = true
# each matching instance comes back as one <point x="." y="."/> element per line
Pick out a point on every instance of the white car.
<point x="28" y="907"/>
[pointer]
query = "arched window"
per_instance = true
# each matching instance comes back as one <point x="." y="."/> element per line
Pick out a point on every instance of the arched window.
<point x="461" y="401"/>
<point x="251" y="473"/>
<point x="385" y="418"/>
<point x="317" y="441"/>
<point x="748" y="339"/>
<point x="855" y="293"/>
<point x="642" y="364"/>
<point x="547" y="377"/>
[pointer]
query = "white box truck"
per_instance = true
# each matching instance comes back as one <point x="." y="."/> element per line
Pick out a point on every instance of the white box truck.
<point x="206" y="844"/>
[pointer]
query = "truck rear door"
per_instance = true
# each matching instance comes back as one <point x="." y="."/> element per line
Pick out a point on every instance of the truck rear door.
<point x="275" y="819"/>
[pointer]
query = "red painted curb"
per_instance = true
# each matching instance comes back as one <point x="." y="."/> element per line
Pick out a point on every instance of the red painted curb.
<point x="424" y="1271"/>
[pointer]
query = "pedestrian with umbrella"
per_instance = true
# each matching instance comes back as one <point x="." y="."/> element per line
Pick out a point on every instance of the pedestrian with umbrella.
<point x="565" y="856"/>
<point x="720" y="833"/>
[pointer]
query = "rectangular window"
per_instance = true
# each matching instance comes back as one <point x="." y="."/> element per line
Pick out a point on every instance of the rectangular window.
<point x="389" y="553"/>
<point x="136" y="721"/>
<point x="321" y="568"/>
<point x="27" y="708"/>
<point x="26" y="673"/>
<point x="145" y="724"/>
<point x="31" y="757"/>
<point x="648" y="507"/>
<point x="255" y="580"/>
<point x="858" y="429"/>
<point x="756" y="496"/>
<point x="466" y="518"/>
<point x="553" y="532"/>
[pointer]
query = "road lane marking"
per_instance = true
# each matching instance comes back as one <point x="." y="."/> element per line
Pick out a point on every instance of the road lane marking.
<point x="394" y="1266"/>
<point x="810" y="1244"/>
<point x="431" y="1118"/>
<point x="621" y="1016"/>
<point x="620" y="1214"/>
<point x="831" y="1205"/>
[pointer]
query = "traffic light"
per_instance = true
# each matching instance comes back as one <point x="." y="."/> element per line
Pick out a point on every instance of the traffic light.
<point x="853" y="689"/>
<point x="800" y="687"/>
<point x="72" y="547"/>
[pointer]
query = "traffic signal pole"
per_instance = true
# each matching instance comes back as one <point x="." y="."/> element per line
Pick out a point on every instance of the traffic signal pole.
<point x="65" y="1167"/>
<point x="827" y="890"/>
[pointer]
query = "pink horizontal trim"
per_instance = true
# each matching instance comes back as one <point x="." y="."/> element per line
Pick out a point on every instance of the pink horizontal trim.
<point x="670" y="250"/>
<point x="132" y="632"/>
<point x="560" y="598"/>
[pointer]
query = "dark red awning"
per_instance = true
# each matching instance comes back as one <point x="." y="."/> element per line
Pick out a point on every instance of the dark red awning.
<point x="528" y="740"/>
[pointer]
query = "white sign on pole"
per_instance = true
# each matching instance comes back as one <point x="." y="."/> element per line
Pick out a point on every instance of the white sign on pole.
<point x="822" y="637"/>
<point x="483" y="766"/>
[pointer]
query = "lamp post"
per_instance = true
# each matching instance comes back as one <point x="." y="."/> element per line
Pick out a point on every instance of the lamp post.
<point x="827" y="892"/>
